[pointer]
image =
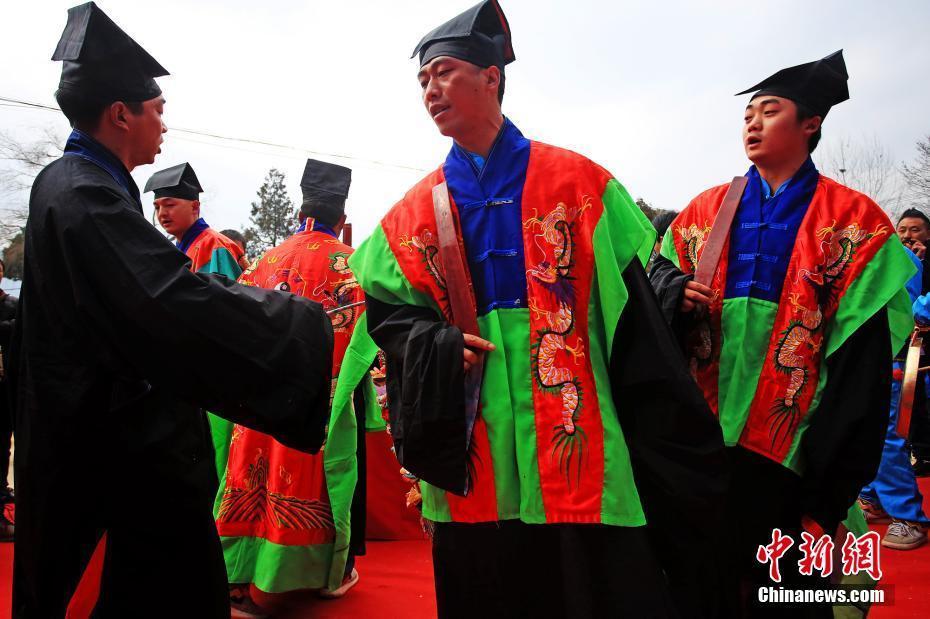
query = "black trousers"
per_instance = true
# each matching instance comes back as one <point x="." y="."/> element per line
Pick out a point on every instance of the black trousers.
<point x="763" y="495"/>
<point x="512" y="570"/>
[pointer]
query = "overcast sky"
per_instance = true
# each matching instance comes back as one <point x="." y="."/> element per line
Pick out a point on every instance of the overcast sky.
<point x="643" y="88"/>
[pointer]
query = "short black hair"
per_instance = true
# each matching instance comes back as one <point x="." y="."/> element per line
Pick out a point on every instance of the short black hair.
<point x="324" y="207"/>
<point x="662" y="221"/>
<point x="804" y="113"/>
<point x="916" y="214"/>
<point x="84" y="112"/>
<point x="234" y="235"/>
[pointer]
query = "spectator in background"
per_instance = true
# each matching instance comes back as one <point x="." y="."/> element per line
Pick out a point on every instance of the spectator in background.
<point x="236" y="237"/>
<point x="914" y="230"/>
<point x="893" y="496"/>
<point x="8" y="305"/>
<point x="660" y="222"/>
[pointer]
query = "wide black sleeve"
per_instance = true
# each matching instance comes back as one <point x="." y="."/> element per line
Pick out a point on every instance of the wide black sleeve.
<point x="842" y="447"/>
<point x="676" y="449"/>
<point x="668" y="281"/>
<point x="257" y="357"/>
<point x="425" y="389"/>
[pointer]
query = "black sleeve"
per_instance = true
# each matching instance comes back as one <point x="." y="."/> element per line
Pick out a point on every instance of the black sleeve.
<point x="668" y="281"/>
<point x="676" y="448"/>
<point x="842" y="447"/>
<point x="425" y="389"/>
<point x="258" y="357"/>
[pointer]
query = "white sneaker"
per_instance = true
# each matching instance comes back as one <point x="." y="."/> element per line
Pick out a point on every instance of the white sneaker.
<point x="347" y="583"/>
<point x="904" y="535"/>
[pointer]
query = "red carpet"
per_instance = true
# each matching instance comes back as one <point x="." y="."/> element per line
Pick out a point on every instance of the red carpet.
<point x="396" y="581"/>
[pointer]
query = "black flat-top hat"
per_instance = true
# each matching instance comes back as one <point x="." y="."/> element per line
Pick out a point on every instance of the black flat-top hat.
<point x="818" y="85"/>
<point x="325" y="187"/>
<point x="175" y="182"/>
<point x="480" y="35"/>
<point x="101" y="62"/>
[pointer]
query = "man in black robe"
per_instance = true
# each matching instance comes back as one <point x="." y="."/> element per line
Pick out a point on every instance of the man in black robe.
<point x="119" y="347"/>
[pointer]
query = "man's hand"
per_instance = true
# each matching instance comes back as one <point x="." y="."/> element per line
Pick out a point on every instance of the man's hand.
<point x="695" y="294"/>
<point x="919" y="249"/>
<point x="473" y="341"/>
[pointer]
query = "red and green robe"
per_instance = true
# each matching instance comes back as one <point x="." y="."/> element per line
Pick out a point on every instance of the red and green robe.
<point x="283" y="515"/>
<point x="803" y="273"/>
<point x="211" y="252"/>
<point x="555" y="249"/>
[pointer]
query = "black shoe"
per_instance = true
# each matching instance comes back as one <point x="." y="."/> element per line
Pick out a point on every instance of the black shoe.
<point x="921" y="468"/>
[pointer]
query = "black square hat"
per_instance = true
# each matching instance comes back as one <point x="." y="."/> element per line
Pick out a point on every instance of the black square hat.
<point x="320" y="176"/>
<point x="325" y="187"/>
<point x="818" y="85"/>
<point x="175" y="182"/>
<point x="480" y="35"/>
<point x="103" y="63"/>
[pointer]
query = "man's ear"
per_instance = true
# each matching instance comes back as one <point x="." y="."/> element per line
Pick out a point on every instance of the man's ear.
<point x="494" y="77"/>
<point x="195" y="205"/>
<point x="811" y="125"/>
<point x="117" y="115"/>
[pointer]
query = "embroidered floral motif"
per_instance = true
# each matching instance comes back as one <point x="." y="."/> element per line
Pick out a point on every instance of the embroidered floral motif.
<point x="555" y="243"/>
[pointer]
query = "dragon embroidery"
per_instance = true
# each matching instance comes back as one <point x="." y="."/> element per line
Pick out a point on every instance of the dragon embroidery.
<point x="426" y="245"/>
<point x="799" y="344"/>
<point x="556" y="244"/>
<point x="693" y="239"/>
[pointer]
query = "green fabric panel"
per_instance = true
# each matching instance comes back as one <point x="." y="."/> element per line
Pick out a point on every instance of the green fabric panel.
<point x="620" y="504"/>
<point x="881" y="283"/>
<point x="222" y="263"/>
<point x="221" y="434"/>
<point x="621" y="234"/>
<point x="340" y="459"/>
<point x="275" y="568"/>
<point x="381" y="277"/>
<point x="435" y="504"/>
<point x="507" y="406"/>
<point x="668" y="247"/>
<point x="746" y="326"/>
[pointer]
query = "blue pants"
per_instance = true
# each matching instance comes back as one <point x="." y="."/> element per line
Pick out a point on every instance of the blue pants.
<point x="895" y="487"/>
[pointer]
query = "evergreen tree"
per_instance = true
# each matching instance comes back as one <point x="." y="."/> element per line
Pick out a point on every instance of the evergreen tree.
<point x="272" y="216"/>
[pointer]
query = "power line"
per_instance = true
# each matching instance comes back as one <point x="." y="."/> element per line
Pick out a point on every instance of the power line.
<point x="29" y="104"/>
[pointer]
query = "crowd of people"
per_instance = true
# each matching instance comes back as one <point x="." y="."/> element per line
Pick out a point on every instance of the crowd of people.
<point x="602" y="417"/>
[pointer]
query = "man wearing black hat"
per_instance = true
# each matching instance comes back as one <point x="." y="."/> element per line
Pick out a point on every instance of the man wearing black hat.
<point x="532" y="384"/>
<point x="177" y="208"/>
<point x="787" y="288"/>
<point x="319" y="525"/>
<point x="103" y="391"/>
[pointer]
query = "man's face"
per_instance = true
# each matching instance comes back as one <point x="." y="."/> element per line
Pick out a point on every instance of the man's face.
<point x="176" y="215"/>
<point x="772" y="133"/>
<point x="145" y="131"/>
<point x="913" y="229"/>
<point x="456" y="94"/>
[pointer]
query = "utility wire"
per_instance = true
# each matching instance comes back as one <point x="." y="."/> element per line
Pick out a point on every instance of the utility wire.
<point x="29" y="104"/>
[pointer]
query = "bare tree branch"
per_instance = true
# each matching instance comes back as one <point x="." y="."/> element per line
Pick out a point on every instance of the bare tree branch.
<point x="865" y="165"/>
